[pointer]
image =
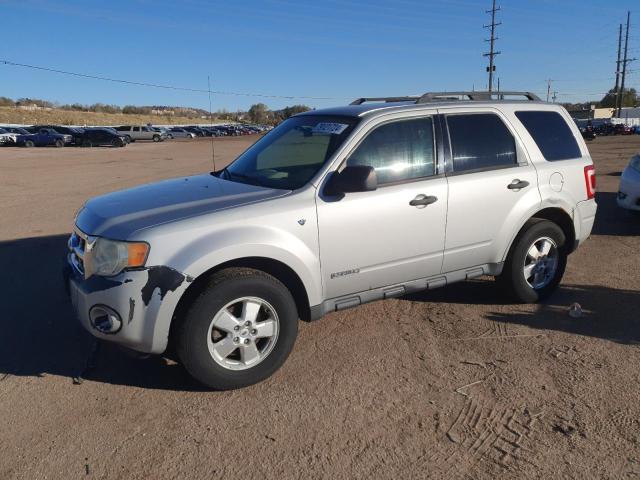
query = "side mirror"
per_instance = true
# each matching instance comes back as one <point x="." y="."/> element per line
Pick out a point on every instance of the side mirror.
<point x="354" y="178"/>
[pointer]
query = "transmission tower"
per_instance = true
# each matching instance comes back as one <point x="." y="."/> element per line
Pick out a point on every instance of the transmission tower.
<point x="492" y="40"/>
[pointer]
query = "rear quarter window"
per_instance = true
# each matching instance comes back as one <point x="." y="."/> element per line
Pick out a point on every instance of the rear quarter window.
<point x="552" y="135"/>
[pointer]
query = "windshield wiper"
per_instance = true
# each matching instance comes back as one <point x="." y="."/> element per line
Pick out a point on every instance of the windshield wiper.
<point x="251" y="179"/>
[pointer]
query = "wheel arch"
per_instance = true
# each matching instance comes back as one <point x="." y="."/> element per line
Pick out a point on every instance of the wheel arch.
<point x="275" y="268"/>
<point x="557" y="215"/>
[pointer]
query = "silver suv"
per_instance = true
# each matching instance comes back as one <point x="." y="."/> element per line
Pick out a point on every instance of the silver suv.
<point x="332" y="209"/>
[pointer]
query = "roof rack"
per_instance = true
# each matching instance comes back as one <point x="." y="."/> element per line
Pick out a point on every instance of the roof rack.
<point x="477" y="96"/>
<point x="360" y="101"/>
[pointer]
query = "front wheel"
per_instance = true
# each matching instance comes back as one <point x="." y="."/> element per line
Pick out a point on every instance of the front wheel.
<point x="59" y="143"/>
<point x="536" y="263"/>
<point x="239" y="330"/>
<point x="156" y="138"/>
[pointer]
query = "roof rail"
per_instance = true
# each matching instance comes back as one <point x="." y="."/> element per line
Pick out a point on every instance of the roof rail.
<point x="474" y="96"/>
<point x="360" y="101"/>
<point x="477" y="96"/>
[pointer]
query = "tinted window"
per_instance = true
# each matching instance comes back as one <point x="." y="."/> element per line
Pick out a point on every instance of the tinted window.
<point x="398" y="151"/>
<point x="480" y="141"/>
<point x="552" y="134"/>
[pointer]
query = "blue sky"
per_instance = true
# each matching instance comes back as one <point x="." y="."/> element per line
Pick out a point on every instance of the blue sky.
<point x="322" y="48"/>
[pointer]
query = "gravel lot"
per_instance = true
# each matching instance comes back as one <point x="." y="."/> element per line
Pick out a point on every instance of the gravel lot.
<point x="452" y="383"/>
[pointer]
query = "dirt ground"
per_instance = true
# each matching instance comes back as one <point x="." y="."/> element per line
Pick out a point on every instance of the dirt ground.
<point x="453" y="383"/>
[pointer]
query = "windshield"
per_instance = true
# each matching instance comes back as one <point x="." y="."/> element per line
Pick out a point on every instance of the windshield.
<point x="291" y="154"/>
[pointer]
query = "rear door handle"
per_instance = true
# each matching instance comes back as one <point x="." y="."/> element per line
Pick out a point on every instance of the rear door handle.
<point x="423" y="200"/>
<point x="518" y="184"/>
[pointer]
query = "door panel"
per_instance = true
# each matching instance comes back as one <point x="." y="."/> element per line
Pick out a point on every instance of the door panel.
<point x="486" y="164"/>
<point x="483" y="212"/>
<point x="394" y="234"/>
<point x="374" y="239"/>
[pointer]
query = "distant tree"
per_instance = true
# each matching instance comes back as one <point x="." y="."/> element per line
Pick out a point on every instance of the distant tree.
<point x="34" y="101"/>
<point x="629" y="98"/>
<point x="127" y="109"/>
<point x="287" y="112"/>
<point x="6" y="102"/>
<point x="259" y="113"/>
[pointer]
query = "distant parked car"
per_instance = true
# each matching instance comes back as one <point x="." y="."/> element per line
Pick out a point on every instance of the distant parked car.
<point x="178" y="132"/>
<point x="44" y="137"/>
<point x="75" y="132"/>
<point x="18" y="130"/>
<point x="622" y="129"/>
<point x="629" y="190"/>
<point x="94" y="137"/>
<point x="140" y="133"/>
<point x="163" y="131"/>
<point x="197" y="131"/>
<point x="604" y="130"/>
<point x="7" y="138"/>
<point x="587" y="132"/>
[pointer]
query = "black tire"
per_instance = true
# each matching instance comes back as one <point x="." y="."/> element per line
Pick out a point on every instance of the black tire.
<point x="59" y="143"/>
<point x="224" y="287"/>
<point x="117" y="142"/>
<point x="156" y="138"/>
<point x="512" y="279"/>
<point x="29" y="143"/>
<point x="86" y="143"/>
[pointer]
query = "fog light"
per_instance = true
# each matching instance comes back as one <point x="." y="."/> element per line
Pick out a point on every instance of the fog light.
<point x="105" y="319"/>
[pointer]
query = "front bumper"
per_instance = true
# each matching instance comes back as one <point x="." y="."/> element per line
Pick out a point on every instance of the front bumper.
<point x="144" y="300"/>
<point x="629" y="191"/>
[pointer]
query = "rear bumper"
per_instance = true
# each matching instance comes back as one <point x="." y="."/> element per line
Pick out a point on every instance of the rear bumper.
<point x="584" y="218"/>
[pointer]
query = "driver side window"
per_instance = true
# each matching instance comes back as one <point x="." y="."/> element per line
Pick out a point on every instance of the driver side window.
<point x="399" y="151"/>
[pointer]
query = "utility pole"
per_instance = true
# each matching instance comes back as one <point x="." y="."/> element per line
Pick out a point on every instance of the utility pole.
<point x="617" y="90"/>
<point x="624" y="64"/>
<point x="549" y="80"/>
<point x="492" y="40"/>
<point x="555" y="96"/>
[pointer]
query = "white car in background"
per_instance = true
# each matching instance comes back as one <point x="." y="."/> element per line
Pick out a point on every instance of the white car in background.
<point x="7" y="138"/>
<point x="177" y="132"/>
<point x="629" y="191"/>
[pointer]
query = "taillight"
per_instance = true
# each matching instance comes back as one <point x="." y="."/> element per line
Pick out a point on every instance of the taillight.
<point x="590" y="181"/>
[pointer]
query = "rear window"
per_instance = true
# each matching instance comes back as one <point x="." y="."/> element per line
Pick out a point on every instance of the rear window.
<point x="552" y="134"/>
<point x="480" y="141"/>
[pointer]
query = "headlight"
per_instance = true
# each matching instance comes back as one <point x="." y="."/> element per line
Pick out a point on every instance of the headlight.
<point x="110" y="257"/>
<point x="635" y="163"/>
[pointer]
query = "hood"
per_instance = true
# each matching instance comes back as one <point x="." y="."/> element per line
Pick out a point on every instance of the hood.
<point x="119" y="214"/>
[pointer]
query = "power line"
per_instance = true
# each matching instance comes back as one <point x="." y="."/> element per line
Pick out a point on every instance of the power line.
<point x="492" y="40"/>
<point x="156" y="85"/>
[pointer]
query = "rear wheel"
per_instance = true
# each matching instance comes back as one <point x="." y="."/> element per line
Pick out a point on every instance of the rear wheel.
<point x="536" y="263"/>
<point x="239" y="331"/>
<point x="29" y="144"/>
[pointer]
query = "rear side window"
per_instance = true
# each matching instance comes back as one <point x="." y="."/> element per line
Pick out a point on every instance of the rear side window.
<point x="552" y="134"/>
<point x="480" y="141"/>
<point x="398" y="151"/>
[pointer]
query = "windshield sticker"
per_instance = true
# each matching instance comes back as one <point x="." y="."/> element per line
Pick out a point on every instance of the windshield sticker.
<point x="329" y="128"/>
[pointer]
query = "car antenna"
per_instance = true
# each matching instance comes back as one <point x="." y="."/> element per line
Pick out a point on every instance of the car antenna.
<point x="213" y="149"/>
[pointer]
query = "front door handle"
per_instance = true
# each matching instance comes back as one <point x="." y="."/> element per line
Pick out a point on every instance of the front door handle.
<point x="423" y="200"/>
<point x="518" y="184"/>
